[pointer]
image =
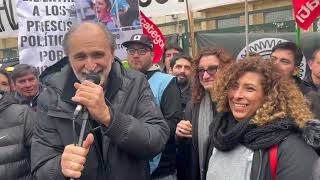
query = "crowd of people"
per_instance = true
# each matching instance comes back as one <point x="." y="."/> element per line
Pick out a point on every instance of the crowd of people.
<point x="209" y="117"/>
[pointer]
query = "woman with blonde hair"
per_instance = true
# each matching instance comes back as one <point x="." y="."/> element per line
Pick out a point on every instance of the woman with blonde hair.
<point x="256" y="134"/>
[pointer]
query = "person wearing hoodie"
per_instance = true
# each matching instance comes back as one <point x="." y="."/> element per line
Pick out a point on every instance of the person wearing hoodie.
<point x="16" y="131"/>
<point x="259" y="112"/>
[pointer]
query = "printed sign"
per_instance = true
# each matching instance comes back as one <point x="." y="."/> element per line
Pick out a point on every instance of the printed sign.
<point x="42" y="25"/>
<point x="121" y="17"/>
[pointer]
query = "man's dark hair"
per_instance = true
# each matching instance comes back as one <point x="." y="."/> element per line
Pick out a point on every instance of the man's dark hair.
<point x="180" y="56"/>
<point x="167" y="47"/>
<point x="290" y="46"/>
<point x="6" y="74"/>
<point x="315" y="53"/>
<point x="22" y="70"/>
<point x="173" y="46"/>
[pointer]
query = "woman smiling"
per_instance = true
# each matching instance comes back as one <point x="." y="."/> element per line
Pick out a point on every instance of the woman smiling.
<point x="258" y="110"/>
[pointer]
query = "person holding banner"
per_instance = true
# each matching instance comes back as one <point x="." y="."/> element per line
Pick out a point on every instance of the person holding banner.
<point x="125" y="127"/>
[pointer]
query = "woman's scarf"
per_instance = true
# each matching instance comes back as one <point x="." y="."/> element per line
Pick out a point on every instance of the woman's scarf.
<point x="226" y="133"/>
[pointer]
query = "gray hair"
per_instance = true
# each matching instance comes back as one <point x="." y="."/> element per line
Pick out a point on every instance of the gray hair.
<point x="22" y="70"/>
<point x="109" y="36"/>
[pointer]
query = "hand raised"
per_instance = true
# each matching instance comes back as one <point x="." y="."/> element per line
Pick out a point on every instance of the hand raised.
<point x="74" y="157"/>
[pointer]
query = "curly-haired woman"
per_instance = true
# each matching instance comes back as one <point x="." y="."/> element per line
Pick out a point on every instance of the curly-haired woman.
<point x="200" y="110"/>
<point x="259" y="111"/>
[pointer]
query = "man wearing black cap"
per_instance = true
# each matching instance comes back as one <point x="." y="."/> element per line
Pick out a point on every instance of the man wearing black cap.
<point x="167" y="95"/>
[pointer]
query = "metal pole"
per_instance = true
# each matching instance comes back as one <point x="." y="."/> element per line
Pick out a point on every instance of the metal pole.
<point x="190" y="29"/>
<point x="246" y="17"/>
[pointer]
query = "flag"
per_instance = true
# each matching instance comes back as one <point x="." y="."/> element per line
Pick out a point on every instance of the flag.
<point x="305" y="12"/>
<point x="152" y="30"/>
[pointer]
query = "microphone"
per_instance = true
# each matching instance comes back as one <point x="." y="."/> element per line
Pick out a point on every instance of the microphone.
<point x="93" y="77"/>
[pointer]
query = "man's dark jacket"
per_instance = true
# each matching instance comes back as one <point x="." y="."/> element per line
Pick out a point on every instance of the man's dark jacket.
<point x="16" y="127"/>
<point x="137" y="131"/>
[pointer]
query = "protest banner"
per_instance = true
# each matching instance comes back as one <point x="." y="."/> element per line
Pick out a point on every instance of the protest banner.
<point x="42" y="25"/>
<point x="306" y="12"/>
<point x="152" y="30"/>
<point x="153" y="8"/>
<point x="119" y="16"/>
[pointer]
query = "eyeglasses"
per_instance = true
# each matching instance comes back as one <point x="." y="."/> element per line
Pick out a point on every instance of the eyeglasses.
<point x="132" y="51"/>
<point x="211" y="70"/>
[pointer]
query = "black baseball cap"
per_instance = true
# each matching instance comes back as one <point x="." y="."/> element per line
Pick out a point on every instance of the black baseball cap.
<point x="139" y="39"/>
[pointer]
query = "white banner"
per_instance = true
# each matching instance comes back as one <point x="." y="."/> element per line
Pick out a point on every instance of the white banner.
<point x="155" y="8"/>
<point x="42" y="25"/>
<point x="8" y="19"/>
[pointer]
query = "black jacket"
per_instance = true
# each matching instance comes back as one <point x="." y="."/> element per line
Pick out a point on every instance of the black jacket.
<point x="296" y="160"/>
<point x="172" y="112"/>
<point x="308" y="79"/>
<point x="192" y="114"/>
<point x="304" y="86"/>
<point x="16" y="127"/>
<point x="137" y="131"/>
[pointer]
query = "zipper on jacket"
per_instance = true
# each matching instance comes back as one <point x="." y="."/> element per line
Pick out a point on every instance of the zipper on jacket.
<point x="98" y="148"/>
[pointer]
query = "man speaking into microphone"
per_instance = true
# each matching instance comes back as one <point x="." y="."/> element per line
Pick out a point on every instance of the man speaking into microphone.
<point x="125" y="128"/>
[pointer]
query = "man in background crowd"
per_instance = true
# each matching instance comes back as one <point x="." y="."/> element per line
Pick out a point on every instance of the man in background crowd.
<point x="167" y="95"/>
<point x="181" y="68"/>
<point x="314" y="80"/>
<point x="288" y="56"/>
<point x="5" y="81"/>
<point x="26" y="82"/>
<point x="181" y="65"/>
<point x="314" y="77"/>
<point x="168" y="53"/>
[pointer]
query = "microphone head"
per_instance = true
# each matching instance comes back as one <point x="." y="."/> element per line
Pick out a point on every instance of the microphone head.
<point x="93" y="77"/>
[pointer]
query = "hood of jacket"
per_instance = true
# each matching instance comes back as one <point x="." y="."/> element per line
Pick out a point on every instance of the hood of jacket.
<point x="311" y="133"/>
<point x="6" y="100"/>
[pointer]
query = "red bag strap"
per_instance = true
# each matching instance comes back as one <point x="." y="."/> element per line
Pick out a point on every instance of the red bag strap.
<point x="273" y="160"/>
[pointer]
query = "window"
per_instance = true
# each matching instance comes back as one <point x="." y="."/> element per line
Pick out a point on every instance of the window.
<point x="278" y="16"/>
<point x="230" y="22"/>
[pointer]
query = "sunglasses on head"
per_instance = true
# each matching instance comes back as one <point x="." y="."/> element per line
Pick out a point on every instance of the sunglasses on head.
<point x="211" y="70"/>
